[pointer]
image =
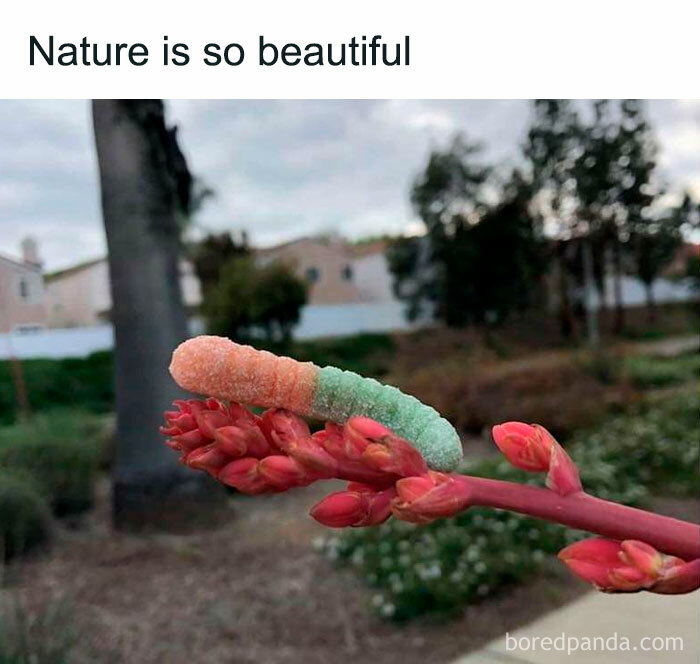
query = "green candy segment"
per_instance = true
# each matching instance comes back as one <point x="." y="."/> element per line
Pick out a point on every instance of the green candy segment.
<point x="343" y="394"/>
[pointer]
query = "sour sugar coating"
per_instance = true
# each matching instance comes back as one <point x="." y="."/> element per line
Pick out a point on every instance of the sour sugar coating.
<point x="220" y="368"/>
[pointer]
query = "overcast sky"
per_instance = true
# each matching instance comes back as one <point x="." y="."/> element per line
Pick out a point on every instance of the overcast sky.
<point x="279" y="169"/>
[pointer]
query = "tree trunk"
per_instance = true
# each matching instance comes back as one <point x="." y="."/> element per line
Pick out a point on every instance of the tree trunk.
<point x="590" y="306"/>
<point x="566" y="317"/>
<point x="619" y="323"/>
<point x="651" y="305"/>
<point x="140" y="208"/>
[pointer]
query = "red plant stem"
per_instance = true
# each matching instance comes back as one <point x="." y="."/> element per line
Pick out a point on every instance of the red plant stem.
<point x="583" y="511"/>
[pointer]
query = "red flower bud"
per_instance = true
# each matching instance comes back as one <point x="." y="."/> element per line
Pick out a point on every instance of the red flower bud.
<point x="630" y="566"/>
<point x="340" y="509"/>
<point x="243" y="439"/>
<point x="243" y="475"/>
<point x="366" y="507"/>
<point x="432" y="496"/>
<point x="282" y="472"/>
<point x="678" y="579"/>
<point x="209" y="458"/>
<point x="392" y="454"/>
<point x="359" y="432"/>
<point x="208" y="421"/>
<point x="284" y="427"/>
<point x="526" y="446"/>
<point x="562" y="476"/>
<point x="310" y="453"/>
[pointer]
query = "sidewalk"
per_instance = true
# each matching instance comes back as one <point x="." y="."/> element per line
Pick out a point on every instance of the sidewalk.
<point x="633" y="617"/>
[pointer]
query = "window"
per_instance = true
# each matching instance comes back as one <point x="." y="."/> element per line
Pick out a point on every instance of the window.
<point x="23" y="289"/>
<point x="28" y="328"/>
<point x="313" y="274"/>
<point x="346" y="273"/>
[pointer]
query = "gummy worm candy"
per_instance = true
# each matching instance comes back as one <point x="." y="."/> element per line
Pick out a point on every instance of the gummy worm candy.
<point x="220" y="368"/>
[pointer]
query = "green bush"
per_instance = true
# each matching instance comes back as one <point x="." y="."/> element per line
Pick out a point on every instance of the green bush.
<point x="44" y="636"/>
<point x="61" y="450"/>
<point x="657" y="447"/>
<point x="24" y="515"/>
<point x="87" y="383"/>
<point x="366" y="354"/>
<point x="649" y="372"/>
<point x="440" y="567"/>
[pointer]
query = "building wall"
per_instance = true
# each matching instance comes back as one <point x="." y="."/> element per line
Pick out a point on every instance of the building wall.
<point x="373" y="278"/>
<point x="82" y="297"/>
<point x="75" y="299"/>
<point x="325" y="265"/>
<point x="21" y="296"/>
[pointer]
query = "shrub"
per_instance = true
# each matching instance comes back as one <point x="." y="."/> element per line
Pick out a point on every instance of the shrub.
<point x="61" y="450"/>
<point x="366" y="354"/>
<point x="565" y="392"/>
<point x="658" y="446"/>
<point x="24" y="515"/>
<point x="649" y="372"/>
<point x="84" y="382"/>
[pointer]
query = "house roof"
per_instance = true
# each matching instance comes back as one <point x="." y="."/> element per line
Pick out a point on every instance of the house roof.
<point x="74" y="269"/>
<point x="358" y="250"/>
<point x="21" y="263"/>
<point x="377" y="246"/>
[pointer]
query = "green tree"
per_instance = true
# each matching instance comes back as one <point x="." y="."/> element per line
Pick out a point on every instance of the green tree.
<point x="654" y="241"/>
<point x="451" y="272"/>
<point x="251" y="300"/>
<point x="211" y="253"/>
<point x="449" y="197"/>
<point x="551" y="148"/>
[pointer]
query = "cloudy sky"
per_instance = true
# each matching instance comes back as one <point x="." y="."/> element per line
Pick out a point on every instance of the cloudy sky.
<point x="279" y="169"/>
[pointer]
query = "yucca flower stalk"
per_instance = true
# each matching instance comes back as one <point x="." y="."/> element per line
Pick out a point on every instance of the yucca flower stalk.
<point x="386" y="476"/>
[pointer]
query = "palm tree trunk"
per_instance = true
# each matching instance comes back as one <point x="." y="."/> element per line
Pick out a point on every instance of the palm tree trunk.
<point x="619" y="324"/>
<point x="140" y="208"/>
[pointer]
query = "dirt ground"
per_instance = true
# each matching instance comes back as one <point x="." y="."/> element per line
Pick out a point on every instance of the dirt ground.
<point x="252" y="590"/>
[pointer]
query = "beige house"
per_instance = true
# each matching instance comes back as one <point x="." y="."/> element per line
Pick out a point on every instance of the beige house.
<point x="79" y="296"/>
<point x="337" y="273"/>
<point x="22" y="304"/>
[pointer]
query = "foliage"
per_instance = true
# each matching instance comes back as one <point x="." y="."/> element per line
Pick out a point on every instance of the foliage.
<point x="365" y="354"/>
<point x="45" y="636"/>
<point x="210" y="254"/>
<point x="438" y="568"/>
<point x="564" y="390"/>
<point x="250" y="300"/>
<point x="61" y="450"/>
<point x="87" y="382"/>
<point x="657" y="447"/>
<point x="451" y="273"/>
<point x="648" y="372"/>
<point x="24" y="515"/>
<point x="693" y="271"/>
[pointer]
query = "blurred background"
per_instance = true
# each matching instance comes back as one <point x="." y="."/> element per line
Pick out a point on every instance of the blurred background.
<point x="499" y="260"/>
